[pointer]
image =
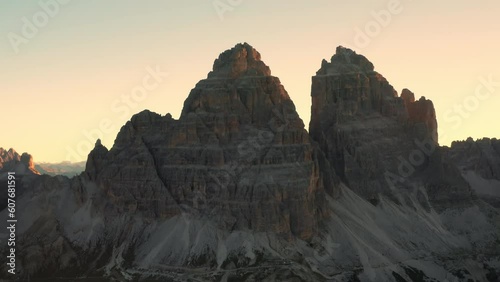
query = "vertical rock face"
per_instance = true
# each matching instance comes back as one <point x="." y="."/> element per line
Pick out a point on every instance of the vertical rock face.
<point x="376" y="140"/>
<point x="10" y="160"/>
<point x="408" y="97"/>
<point x="95" y="160"/>
<point x="355" y="118"/>
<point x="27" y="160"/>
<point x="22" y="165"/>
<point x="421" y="113"/>
<point x="7" y="157"/>
<point x="227" y="186"/>
<point x="239" y="153"/>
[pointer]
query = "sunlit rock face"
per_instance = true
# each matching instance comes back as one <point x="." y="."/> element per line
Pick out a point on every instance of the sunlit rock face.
<point x="11" y="161"/>
<point x="24" y="169"/>
<point x="375" y="140"/>
<point x="239" y="153"/>
<point x="421" y="112"/>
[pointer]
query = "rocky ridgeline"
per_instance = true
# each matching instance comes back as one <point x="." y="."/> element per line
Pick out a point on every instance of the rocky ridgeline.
<point x="236" y="188"/>
<point x="375" y="140"/>
<point x="238" y="154"/>
<point x="21" y="164"/>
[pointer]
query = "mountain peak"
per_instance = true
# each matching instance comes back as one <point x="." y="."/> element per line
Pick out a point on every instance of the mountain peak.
<point x="240" y="85"/>
<point x="344" y="61"/>
<point x="12" y="161"/>
<point x="239" y="61"/>
<point x="407" y="96"/>
<point x="27" y="160"/>
<point x="9" y="155"/>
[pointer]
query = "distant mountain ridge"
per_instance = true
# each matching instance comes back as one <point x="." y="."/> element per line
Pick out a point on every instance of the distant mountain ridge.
<point x="68" y="169"/>
<point x="10" y="160"/>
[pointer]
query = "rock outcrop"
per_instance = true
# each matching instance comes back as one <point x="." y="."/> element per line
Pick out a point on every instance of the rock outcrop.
<point x="421" y="113"/>
<point x="21" y="164"/>
<point x="8" y="156"/>
<point x="237" y="190"/>
<point x="375" y="140"/>
<point x="239" y="153"/>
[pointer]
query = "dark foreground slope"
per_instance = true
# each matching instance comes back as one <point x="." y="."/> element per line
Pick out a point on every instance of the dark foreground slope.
<point x="237" y="190"/>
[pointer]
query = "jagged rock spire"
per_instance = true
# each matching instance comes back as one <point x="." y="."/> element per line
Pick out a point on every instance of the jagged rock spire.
<point x="345" y="60"/>
<point x="238" y="61"/>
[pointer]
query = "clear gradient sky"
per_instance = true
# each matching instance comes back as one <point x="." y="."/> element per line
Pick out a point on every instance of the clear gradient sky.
<point x="60" y="82"/>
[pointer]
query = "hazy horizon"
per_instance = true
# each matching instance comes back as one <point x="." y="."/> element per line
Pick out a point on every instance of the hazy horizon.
<point x="70" y="73"/>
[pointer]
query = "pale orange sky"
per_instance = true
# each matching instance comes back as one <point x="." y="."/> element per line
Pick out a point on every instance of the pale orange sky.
<point x="58" y="84"/>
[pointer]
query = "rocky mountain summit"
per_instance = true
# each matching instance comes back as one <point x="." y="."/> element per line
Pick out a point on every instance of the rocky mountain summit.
<point x="239" y="151"/>
<point x="21" y="164"/>
<point x="236" y="189"/>
<point x="376" y="141"/>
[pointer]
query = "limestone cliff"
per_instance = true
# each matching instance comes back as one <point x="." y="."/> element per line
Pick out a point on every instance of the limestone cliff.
<point x="237" y="190"/>
<point x="376" y="141"/>
<point x="238" y="153"/>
